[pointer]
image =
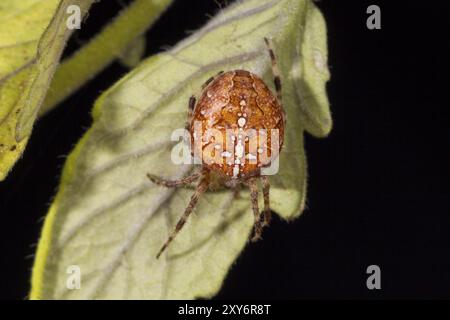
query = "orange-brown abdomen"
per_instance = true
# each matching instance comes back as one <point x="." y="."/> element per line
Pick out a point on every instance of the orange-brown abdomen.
<point x="238" y="125"/>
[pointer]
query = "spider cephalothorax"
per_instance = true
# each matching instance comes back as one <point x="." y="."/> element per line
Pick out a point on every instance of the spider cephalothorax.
<point x="236" y="130"/>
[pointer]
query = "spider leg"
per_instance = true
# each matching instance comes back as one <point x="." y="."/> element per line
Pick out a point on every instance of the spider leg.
<point x="201" y="187"/>
<point x="236" y="192"/>
<point x="173" y="183"/>
<point x="256" y="212"/>
<point x="266" y="189"/>
<point x="275" y="70"/>
<point x="207" y="82"/>
<point x="191" y="106"/>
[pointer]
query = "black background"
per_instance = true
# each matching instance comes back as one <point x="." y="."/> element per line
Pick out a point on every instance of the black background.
<point x="379" y="184"/>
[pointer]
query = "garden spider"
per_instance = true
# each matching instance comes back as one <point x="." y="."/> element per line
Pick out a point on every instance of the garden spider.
<point x="232" y="107"/>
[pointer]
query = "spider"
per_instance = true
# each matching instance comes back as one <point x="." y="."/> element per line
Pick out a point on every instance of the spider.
<point x="232" y="107"/>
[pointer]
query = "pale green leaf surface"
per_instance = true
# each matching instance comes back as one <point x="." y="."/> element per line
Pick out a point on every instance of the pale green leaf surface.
<point x="110" y="221"/>
<point x="33" y="34"/>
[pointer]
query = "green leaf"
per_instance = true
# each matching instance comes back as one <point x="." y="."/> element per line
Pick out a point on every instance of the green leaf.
<point x="33" y="34"/>
<point x="110" y="221"/>
<point x="113" y="40"/>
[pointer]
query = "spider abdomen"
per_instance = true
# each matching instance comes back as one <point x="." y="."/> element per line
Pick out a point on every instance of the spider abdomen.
<point x="237" y="125"/>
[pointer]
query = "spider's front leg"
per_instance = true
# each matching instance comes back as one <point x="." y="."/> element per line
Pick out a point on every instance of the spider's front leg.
<point x="186" y="180"/>
<point x="173" y="183"/>
<point x="191" y="106"/>
<point x="200" y="189"/>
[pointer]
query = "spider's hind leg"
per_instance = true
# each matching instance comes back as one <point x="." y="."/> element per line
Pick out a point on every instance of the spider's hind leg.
<point x="266" y="190"/>
<point x="257" y="214"/>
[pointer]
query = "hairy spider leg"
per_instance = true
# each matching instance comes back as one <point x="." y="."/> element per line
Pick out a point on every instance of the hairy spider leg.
<point x="266" y="191"/>
<point x="173" y="183"/>
<point x="201" y="188"/>
<point x="275" y="69"/>
<point x="256" y="213"/>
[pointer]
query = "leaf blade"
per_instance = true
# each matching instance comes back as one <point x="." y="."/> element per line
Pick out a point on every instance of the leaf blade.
<point x="29" y="57"/>
<point x="105" y="206"/>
